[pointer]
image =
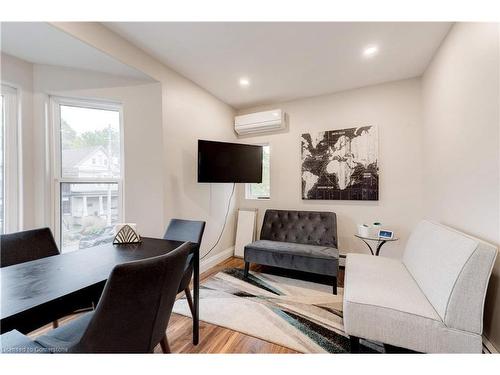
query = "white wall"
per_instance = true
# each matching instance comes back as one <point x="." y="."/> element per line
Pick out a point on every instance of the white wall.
<point x="395" y="109"/>
<point x="189" y="112"/>
<point x="19" y="74"/>
<point x="461" y="142"/>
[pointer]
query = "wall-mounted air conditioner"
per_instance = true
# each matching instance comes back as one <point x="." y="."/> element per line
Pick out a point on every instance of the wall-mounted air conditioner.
<point x="260" y="122"/>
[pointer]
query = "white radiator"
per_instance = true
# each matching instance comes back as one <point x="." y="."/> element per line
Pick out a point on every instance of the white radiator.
<point x="245" y="230"/>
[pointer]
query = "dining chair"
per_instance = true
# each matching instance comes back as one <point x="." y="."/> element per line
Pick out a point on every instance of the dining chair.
<point x="33" y="244"/>
<point x="26" y="246"/>
<point x="132" y="314"/>
<point x="192" y="231"/>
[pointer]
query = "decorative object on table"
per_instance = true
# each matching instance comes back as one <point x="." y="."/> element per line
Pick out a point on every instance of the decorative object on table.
<point x="375" y="229"/>
<point x="386" y="234"/>
<point x="364" y="230"/>
<point x="340" y="164"/>
<point x="126" y="233"/>
<point x="379" y="240"/>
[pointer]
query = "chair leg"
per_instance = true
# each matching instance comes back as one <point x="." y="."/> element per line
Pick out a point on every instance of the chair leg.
<point x="335" y="285"/>
<point x="189" y="300"/>
<point x="354" y="341"/>
<point x="247" y="267"/>
<point x="55" y="324"/>
<point x="164" y="345"/>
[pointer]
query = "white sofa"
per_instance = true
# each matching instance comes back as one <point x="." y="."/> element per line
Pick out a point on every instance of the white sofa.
<point x="431" y="301"/>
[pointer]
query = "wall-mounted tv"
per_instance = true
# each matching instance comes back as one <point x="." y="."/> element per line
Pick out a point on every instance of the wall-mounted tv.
<point x="229" y="162"/>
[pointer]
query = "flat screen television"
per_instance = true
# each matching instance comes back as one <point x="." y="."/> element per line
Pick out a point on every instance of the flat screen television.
<point x="229" y="162"/>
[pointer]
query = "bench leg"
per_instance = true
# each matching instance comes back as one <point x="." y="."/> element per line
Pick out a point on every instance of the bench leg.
<point x="354" y="341"/>
<point x="247" y="267"/>
<point x="335" y="285"/>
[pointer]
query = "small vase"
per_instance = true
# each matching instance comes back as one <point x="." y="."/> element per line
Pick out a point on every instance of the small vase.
<point x="376" y="227"/>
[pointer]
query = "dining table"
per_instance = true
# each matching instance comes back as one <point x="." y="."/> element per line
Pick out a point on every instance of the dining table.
<point x="41" y="291"/>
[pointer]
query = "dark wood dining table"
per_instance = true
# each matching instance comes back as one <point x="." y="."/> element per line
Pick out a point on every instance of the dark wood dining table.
<point x="38" y="292"/>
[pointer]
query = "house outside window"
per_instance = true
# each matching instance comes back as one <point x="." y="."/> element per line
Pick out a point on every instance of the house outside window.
<point x="88" y="175"/>
<point x="262" y="190"/>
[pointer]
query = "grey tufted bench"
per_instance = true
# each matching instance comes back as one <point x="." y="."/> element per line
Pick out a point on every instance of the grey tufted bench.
<point x="297" y="240"/>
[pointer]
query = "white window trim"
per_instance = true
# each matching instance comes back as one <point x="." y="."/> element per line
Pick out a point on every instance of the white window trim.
<point x="248" y="195"/>
<point x="12" y="149"/>
<point x="55" y="157"/>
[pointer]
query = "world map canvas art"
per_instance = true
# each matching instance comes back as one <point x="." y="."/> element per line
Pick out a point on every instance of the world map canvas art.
<point x="341" y="164"/>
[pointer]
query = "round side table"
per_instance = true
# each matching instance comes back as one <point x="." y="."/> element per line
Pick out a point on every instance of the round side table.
<point x="380" y="242"/>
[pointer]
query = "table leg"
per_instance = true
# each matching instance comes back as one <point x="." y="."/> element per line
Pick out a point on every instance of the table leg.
<point x="379" y="246"/>
<point x="196" y="295"/>
<point x="369" y="247"/>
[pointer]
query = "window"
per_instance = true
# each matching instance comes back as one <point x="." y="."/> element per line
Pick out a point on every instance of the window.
<point x="262" y="190"/>
<point x="88" y="172"/>
<point x="9" y="203"/>
<point x="2" y="169"/>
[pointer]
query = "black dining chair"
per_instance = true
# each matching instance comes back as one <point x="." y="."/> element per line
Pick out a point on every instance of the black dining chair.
<point x="192" y="231"/>
<point x="33" y="244"/>
<point x="26" y="246"/>
<point x="132" y="314"/>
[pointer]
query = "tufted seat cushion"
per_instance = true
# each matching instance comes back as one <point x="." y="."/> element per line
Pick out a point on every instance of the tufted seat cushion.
<point x="291" y="248"/>
<point x="322" y="260"/>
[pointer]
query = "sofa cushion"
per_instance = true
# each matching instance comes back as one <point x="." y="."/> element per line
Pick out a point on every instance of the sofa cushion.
<point x="382" y="302"/>
<point x="316" y="259"/>
<point x="322" y="252"/>
<point x="385" y="282"/>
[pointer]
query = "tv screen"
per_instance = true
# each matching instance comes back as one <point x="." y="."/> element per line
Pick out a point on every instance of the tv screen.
<point x="229" y="162"/>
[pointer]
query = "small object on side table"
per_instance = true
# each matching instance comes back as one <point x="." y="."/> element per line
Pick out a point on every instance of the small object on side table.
<point x="383" y="237"/>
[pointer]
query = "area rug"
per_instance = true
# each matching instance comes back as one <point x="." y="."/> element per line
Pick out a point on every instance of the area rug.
<point x="296" y="314"/>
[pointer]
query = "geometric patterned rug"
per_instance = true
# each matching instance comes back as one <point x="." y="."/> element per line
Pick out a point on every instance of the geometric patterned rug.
<point x="297" y="314"/>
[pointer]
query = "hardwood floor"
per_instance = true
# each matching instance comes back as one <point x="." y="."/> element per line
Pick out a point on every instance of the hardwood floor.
<point x="216" y="339"/>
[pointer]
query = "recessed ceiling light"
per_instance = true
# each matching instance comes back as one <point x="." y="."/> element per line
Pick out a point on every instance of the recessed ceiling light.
<point x="370" y="51"/>
<point x="244" y="82"/>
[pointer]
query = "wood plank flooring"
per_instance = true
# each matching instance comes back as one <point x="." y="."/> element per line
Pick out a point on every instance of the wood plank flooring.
<point x="214" y="339"/>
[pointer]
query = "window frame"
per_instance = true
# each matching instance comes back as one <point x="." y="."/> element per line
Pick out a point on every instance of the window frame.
<point x="248" y="194"/>
<point x="56" y="157"/>
<point x="12" y="207"/>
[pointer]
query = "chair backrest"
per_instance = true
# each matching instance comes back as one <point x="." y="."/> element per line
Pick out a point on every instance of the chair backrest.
<point x="453" y="270"/>
<point x="25" y="246"/>
<point x="133" y="312"/>
<point x="185" y="230"/>
<point x="305" y="227"/>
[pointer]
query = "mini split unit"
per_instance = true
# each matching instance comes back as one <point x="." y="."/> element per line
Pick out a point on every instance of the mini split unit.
<point x="260" y="122"/>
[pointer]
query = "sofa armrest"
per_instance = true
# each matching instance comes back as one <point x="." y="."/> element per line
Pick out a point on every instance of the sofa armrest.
<point x="465" y="307"/>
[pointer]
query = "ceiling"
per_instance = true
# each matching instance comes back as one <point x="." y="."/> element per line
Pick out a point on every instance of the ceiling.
<point x="41" y="43"/>
<point x="285" y="61"/>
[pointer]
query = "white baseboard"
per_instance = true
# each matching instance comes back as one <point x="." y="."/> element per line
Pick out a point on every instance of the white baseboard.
<point x="212" y="261"/>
